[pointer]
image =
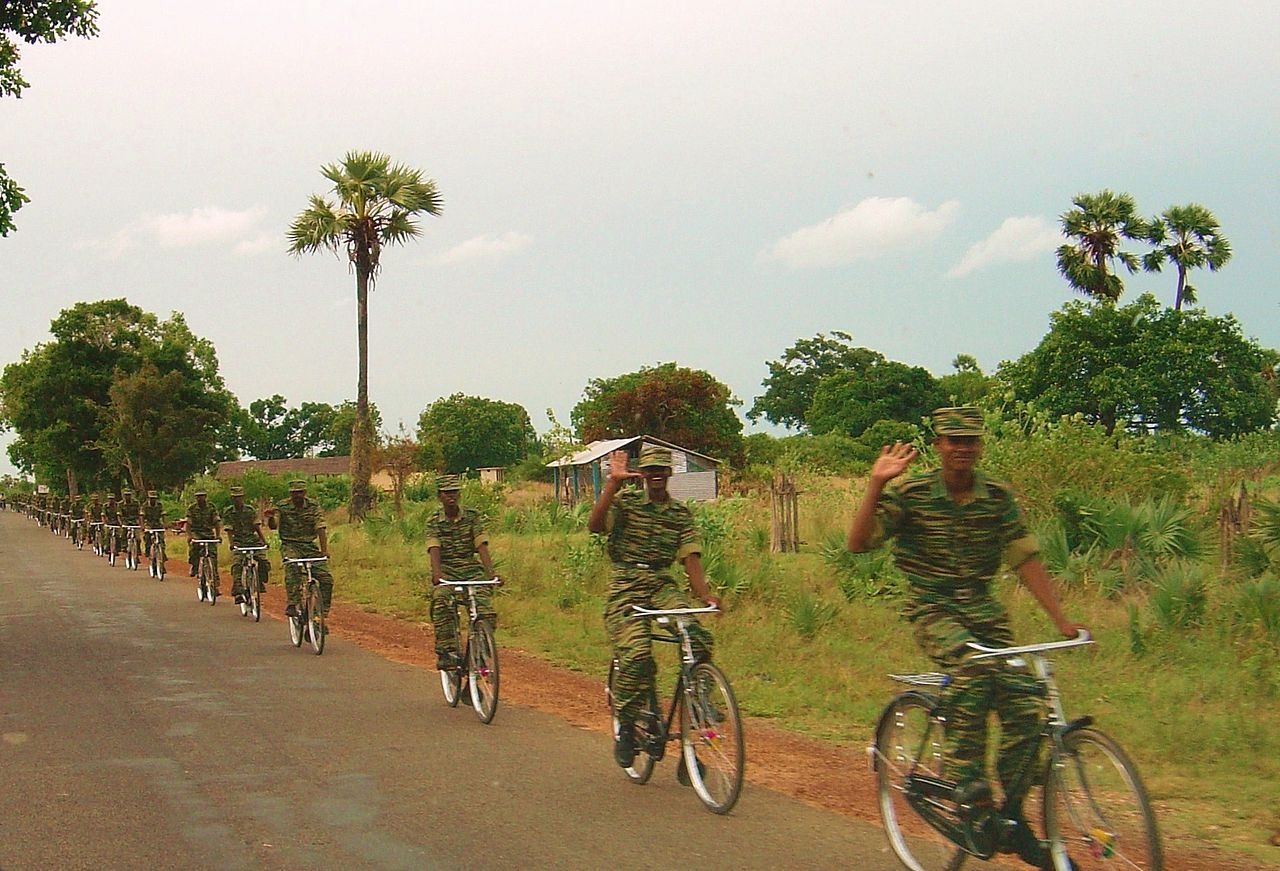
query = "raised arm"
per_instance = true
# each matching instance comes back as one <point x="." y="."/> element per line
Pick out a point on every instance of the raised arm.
<point x="891" y="463"/>
<point x="597" y="522"/>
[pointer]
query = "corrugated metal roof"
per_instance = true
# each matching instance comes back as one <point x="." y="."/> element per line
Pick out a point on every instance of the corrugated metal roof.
<point x="598" y="449"/>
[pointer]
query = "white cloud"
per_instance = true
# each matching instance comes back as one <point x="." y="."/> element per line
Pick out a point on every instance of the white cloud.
<point x="485" y="247"/>
<point x="260" y="243"/>
<point x="201" y="226"/>
<point x="875" y="226"/>
<point x="1016" y="239"/>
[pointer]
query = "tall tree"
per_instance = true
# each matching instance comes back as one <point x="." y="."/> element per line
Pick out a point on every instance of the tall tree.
<point x="57" y="396"/>
<point x="1097" y="225"/>
<point x="33" y="21"/>
<point x="688" y="407"/>
<point x="1147" y="368"/>
<point x="378" y="203"/>
<point x="791" y="382"/>
<point x="1188" y="237"/>
<point x="852" y="402"/>
<point x="473" y="432"/>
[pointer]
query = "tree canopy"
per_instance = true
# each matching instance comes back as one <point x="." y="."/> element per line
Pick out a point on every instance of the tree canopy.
<point x="1097" y="225"/>
<point x="1148" y="368"/>
<point x="59" y="398"/>
<point x="1189" y="238"/>
<point x="270" y="430"/>
<point x="687" y="407"/>
<point x="851" y="402"/>
<point x="33" y="21"/>
<point x="792" y="381"/>
<point x="473" y="432"/>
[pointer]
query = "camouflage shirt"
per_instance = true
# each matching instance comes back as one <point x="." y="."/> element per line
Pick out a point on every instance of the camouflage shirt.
<point x="93" y="512"/>
<point x="243" y="525"/>
<point x="202" y="522"/>
<point x="299" y="527"/>
<point x="130" y="511"/>
<point x="153" y="515"/>
<point x="948" y="551"/>
<point x="111" y="514"/>
<point x="645" y="538"/>
<point x="458" y="541"/>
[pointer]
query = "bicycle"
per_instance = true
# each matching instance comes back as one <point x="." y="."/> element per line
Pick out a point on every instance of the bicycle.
<point x="131" y="555"/>
<point x="250" y="586"/>
<point x="308" y="623"/>
<point x="155" y="553"/>
<point x="478" y="665"/>
<point x="95" y="536"/>
<point x="112" y="545"/>
<point x="206" y="580"/>
<point x="1094" y="809"/>
<point x="713" y="753"/>
<point x="77" y="534"/>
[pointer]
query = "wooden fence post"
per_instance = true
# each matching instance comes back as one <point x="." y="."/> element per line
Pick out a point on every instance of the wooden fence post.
<point x="785" y="520"/>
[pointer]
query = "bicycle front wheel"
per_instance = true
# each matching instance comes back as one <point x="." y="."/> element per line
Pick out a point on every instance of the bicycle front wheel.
<point x="159" y="552"/>
<point x="208" y="581"/>
<point x="134" y="557"/>
<point x="1096" y="810"/>
<point x="711" y="738"/>
<point x="907" y="751"/>
<point x="254" y="596"/>
<point x="641" y="767"/>
<point x="482" y="666"/>
<point x="315" y="619"/>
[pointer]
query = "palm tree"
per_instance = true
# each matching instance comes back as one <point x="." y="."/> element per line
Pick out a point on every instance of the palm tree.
<point x="377" y="204"/>
<point x="1188" y="237"/>
<point x="1098" y="223"/>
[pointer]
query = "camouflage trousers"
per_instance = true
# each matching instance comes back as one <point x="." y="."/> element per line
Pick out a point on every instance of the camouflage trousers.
<point x="194" y="551"/>
<point x="633" y="643"/>
<point x="295" y="575"/>
<point x="445" y="602"/>
<point x="978" y="687"/>
<point x="237" y="570"/>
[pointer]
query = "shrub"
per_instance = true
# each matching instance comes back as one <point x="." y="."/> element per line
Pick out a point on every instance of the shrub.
<point x="1258" y="606"/>
<point x="809" y="613"/>
<point x="861" y="575"/>
<point x="1180" y="596"/>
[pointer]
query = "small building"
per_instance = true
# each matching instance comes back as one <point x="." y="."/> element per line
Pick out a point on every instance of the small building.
<point x="492" y="474"/>
<point x="302" y="467"/>
<point x="581" y="475"/>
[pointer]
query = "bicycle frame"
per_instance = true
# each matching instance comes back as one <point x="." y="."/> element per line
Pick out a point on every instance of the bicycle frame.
<point x="470" y="587"/>
<point x="679" y="634"/>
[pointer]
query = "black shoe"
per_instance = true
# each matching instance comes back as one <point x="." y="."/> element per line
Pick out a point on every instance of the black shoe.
<point x="291" y="611"/>
<point x="446" y="662"/>
<point x="239" y="598"/>
<point x="682" y="771"/>
<point x="976" y="809"/>
<point x="192" y="574"/>
<point x="624" y="745"/>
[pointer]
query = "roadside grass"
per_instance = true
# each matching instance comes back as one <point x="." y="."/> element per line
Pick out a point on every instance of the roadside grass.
<point x="1188" y="683"/>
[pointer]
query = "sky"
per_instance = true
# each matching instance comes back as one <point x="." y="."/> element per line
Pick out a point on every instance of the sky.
<point x="627" y="184"/>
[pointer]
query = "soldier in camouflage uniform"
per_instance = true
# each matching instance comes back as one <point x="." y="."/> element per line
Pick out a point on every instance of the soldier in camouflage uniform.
<point x="111" y="517"/>
<point x="203" y="522"/>
<point x="153" y="518"/>
<point x="93" y="521"/>
<point x="648" y="534"/>
<point x="130" y="515"/>
<point x="75" y="513"/>
<point x="302" y="535"/>
<point x="951" y="528"/>
<point x="459" y="549"/>
<point x="244" y="530"/>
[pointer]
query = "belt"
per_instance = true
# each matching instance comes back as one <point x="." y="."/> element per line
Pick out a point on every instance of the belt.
<point x="653" y="567"/>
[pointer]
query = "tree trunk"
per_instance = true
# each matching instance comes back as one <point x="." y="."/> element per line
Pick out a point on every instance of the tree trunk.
<point x="1182" y="284"/>
<point x="72" y="485"/>
<point x="361" y="430"/>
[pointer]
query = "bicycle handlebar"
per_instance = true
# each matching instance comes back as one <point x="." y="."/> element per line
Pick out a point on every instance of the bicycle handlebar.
<point x="254" y="547"/>
<point x="492" y="582"/>
<point x="641" y="611"/>
<point x="154" y="530"/>
<point x="987" y="652"/>
<point x="306" y="559"/>
<point x="206" y="541"/>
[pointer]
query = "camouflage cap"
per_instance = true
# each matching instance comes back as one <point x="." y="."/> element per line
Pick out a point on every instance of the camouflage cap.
<point x="449" y="482"/>
<point x="652" y="455"/>
<point x="200" y="491"/>
<point x="152" y="494"/>
<point x="965" y="420"/>
<point x="297" y="484"/>
<point x="126" y="492"/>
<point x="236" y="491"/>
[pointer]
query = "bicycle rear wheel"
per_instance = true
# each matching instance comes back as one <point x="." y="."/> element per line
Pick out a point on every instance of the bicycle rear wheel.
<point x="711" y="739"/>
<point x="482" y="662"/>
<point x="908" y="745"/>
<point x="1096" y="810"/>
<point x="641" y="767"/>
<point x="315" y="619"/>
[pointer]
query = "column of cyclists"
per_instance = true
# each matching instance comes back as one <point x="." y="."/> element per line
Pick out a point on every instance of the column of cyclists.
<point x="950" y="530"/>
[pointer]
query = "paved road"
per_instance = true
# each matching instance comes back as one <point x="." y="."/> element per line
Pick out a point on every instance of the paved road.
<point x="141" y="729"/>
